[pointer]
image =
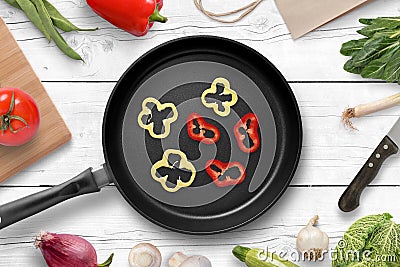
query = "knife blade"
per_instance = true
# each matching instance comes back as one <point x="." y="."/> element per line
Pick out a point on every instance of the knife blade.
<point x="389" y="145"/>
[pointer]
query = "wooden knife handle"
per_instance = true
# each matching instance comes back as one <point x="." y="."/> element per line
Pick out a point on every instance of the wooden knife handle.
<point x="350" y="199"/>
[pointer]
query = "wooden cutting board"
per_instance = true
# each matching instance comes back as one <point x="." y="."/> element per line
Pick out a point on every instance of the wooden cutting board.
<point x="15" y="71"/>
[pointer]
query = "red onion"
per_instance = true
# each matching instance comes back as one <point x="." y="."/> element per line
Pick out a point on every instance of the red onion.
<point x="63" y="250"/>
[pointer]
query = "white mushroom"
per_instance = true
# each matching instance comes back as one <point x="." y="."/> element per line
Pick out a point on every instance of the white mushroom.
<point x="144" y="255"/>
<point x="181" y="260"/>
<point x="177" y="259"/>
<point x="196" y="261"/>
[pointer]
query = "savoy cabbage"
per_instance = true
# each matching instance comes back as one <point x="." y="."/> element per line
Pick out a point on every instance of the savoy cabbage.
<point x="372" y="241"/>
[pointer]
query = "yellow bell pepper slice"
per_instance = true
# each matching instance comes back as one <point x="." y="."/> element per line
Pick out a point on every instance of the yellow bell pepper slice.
<point x="227" y="91"/>
<point x="166" y="122"/>
<point x="183" y="164"/>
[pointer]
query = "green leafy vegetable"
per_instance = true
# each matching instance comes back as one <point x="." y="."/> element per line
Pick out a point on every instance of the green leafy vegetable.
<point x="372" y="241"/>
<point x="46" y="17"/>
<point x="352" y="46"/>
<point x="30" y="10"/>
<point x="60" y="21"/>
<point x="377" y="55"/>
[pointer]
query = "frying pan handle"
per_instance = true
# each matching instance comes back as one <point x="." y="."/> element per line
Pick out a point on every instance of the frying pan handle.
<point x="25" y="207"/>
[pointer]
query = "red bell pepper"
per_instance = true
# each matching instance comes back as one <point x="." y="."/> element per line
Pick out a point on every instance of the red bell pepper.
<point x="225" y="174"/>
<point x="133" y="16"/>
<point x="199" y="130"/>
<point x="246" y="133"/>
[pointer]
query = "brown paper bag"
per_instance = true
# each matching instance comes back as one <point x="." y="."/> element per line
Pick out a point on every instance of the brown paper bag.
<point x="303" y="16"/>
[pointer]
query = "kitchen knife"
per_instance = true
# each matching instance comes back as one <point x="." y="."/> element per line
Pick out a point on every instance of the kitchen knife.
<point x="389" y="145"/>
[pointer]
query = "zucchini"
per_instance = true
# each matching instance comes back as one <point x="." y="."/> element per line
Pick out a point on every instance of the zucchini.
<point x="260" y="258"/>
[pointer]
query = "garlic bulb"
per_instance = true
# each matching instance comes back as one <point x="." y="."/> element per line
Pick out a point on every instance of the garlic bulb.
<point x="311" y="241"/>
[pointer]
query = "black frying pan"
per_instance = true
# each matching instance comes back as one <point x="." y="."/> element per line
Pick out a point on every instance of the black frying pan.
<point x="178" y="72"/>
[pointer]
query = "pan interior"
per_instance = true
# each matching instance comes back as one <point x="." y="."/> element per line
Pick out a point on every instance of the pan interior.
<point x="183" y="84"/>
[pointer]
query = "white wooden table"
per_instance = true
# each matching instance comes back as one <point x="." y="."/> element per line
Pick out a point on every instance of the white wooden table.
<point x="331" y="155"/>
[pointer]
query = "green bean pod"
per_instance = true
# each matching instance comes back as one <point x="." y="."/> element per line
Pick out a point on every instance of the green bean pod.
<point x="46" y="17"/>
<point x="55" y="35"/>
<point x="33" y="15"/>
<point x="63" y="45"/>
<point x="13" y="3"/>
<point x="60" y="21"/>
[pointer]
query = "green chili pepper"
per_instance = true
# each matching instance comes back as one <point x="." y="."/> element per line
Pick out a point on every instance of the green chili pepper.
<point x="33" y="15"/>
<point x="60" y="21"/>
<point x="55" y="35"/>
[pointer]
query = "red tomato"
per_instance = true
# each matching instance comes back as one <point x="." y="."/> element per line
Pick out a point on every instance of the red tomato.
<point x="19" y="117"/>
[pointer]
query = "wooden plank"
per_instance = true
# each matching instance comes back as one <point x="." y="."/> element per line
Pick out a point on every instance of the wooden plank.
<point x="109" y="51"/>
<point x="332" y="155"/>
<point x="15" y="71"/>
<point x="112" y="226"/>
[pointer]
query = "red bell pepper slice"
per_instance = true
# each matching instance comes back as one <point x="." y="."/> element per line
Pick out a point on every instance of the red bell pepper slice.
<point x="133" y="16"/>
<point x="225" y="174"/>
<point x="202" y="131"/>
<point x="246" y="133"/>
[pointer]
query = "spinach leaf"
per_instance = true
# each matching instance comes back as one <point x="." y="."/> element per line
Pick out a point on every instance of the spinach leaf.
<point x="378" y="24"/>
<point x="377" y="54"/>
<point x="376" y="68"/>
<point x="352" y="46"/>
<point x="373" y="49"/>
<point x="349" y="66"/>
<point x="392" y="70"/>
<point x="366" y="21"/>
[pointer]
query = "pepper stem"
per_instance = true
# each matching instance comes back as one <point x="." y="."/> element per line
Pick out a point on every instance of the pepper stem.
<point x="156" y="16"/>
